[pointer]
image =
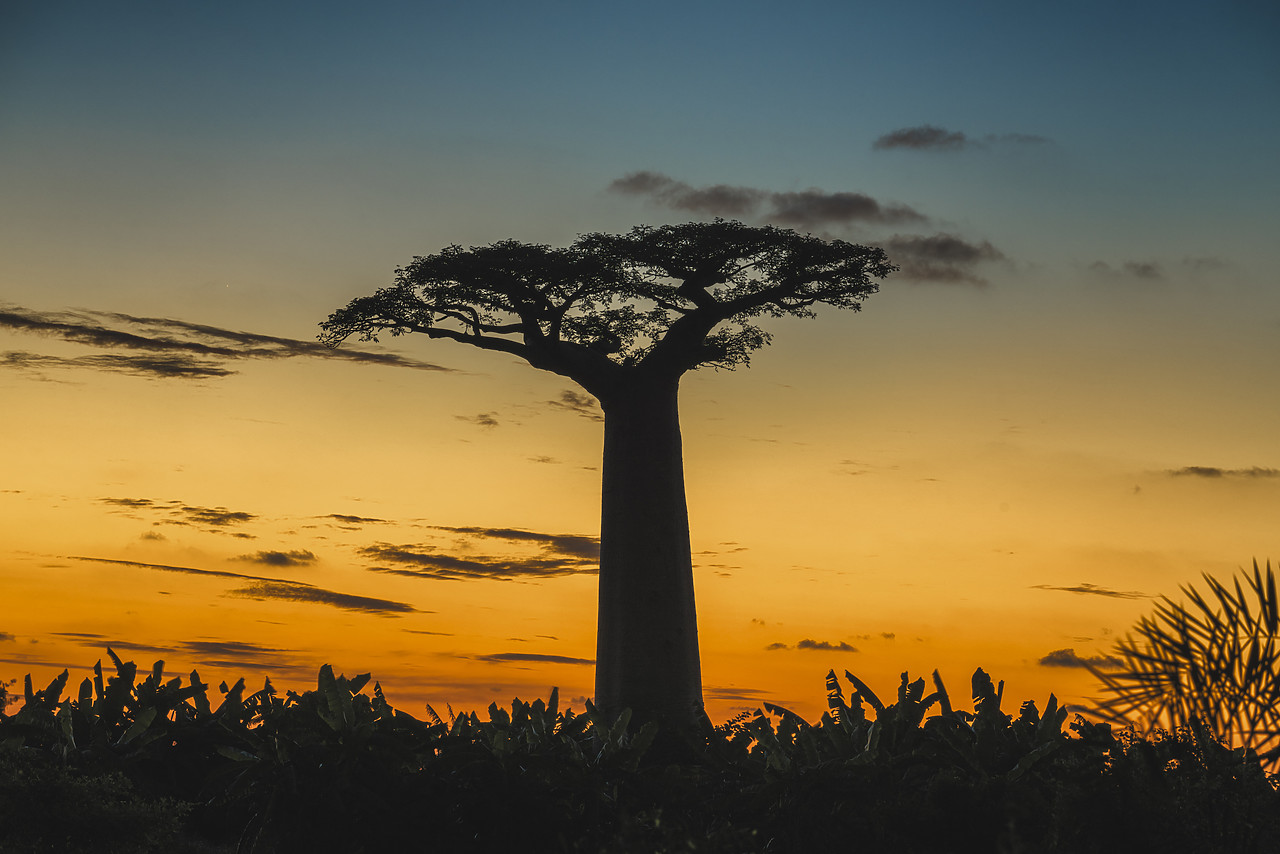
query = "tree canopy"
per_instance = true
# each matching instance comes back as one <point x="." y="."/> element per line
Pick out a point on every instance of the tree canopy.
<point x="661" y="300"/>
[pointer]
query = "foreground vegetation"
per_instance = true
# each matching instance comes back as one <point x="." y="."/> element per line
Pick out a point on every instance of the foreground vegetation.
<point x="151" y="765"/>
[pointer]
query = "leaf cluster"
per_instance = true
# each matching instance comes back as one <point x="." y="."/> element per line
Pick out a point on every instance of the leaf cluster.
<point x="337" y="768"/>
<point x="674" y="297"/>
<point x="1214" y="659"/>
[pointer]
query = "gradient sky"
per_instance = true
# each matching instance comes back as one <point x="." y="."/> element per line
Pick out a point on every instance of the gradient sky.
<point x="1065" y="404"/>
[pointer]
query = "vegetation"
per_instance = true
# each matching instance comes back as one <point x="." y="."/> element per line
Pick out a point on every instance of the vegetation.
<point x="625" y="316"/>
<point x="1215" y="659"/>
<point x="152" y="765"/>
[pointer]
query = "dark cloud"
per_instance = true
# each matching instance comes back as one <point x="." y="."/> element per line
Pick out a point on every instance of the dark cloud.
<point x="294" y="591"/>
<point x="1214" y="472"/>
<point x="353" y="520"/>
<point x="189" y="570"/>
<point x="416" y="562"/>
<point x="814" y="208"/>
<point x="7" y="636"/>
<point x="484" y="419"/>
<point x="579" y="403"/>
<point x="746" y="695"/>
<point x="162" y="367"/>
<point x="544" y="459"/>
<point x="1093" y="590"/>
<point x="128" y="502"/>
<point x="940" y="257"/>
<point x="719" y="200"/>
<point x="806" y="208"/>
<point x="184" y="514"/>
<point x="811" y="644"/>
<point x="923" y="138"/>
<point x="933" y="138"/>
<point x="300" y="557"/>
<point x="570" y="545"/>
<point x="425" y="632"/>
<point x="177" y="349"/>
<point x="502" y="657"/>
<point x="273" y="588"/>
<point x="218" y="517"/>
<point x="1068" y="658"/>
<point x="151" y="535"/>
<point x="808" y="643"/>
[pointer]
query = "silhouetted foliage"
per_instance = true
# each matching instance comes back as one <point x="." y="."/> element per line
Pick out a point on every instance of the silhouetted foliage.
<point x="152" y="766"/>
<point x="1213" y="660"/>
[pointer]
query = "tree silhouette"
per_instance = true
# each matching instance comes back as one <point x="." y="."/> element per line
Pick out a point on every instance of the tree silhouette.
<point x="625" y="316"/>
<point x="1215" y="659"/>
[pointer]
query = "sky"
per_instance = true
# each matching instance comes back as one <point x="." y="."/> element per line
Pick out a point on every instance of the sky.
<point x="1062" y="407"/>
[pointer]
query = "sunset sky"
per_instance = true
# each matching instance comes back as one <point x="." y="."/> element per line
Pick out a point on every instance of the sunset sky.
<point x="1065" y="404"/>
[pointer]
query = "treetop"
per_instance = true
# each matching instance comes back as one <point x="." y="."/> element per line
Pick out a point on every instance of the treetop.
<point x="663" y="299"/>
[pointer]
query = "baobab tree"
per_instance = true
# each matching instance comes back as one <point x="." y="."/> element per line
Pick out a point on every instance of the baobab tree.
<point x="625" y="316"/>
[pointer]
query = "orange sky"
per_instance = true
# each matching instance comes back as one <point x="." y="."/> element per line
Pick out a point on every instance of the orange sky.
<point x="1064" y="405"/>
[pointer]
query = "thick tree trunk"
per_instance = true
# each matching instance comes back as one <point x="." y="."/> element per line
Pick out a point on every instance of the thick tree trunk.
<point x="647" y="642"/>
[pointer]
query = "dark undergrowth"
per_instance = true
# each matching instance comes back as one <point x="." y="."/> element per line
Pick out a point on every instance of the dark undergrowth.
<point x="131" y="764"/>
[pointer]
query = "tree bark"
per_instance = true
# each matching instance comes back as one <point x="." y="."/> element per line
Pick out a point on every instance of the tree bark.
<point x="647" y="639"/>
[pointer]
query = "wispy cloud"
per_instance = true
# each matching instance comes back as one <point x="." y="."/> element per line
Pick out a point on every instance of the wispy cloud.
<point x="933" y="138"/>
<point x="295" y="591"/>
<point x="1149" y="271"/>
<point x="812" y="208"/>
<point x="417" y="562"/>
<point x="172" y="349"/>
<point x="262" y="588"/>
<point x="1087" y="589"/>
<point x="940" y="257"/>
<point x="298" y="557"/>
<point x="578" y="403"/>
<point x="1215" y="472"/>
<point x="815" y="645"/>
<point x="357" y="521"/>
<point x="570" y="545"/>
<point x="484" y="419"/>
<point x="1069" y="658"/>
<point x="6" y="636"/>
<point x="507" y="657"/>
<point x="180" y="513"/>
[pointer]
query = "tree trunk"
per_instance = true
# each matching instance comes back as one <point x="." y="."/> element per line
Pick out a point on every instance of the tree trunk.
<point x="647" y="641"/>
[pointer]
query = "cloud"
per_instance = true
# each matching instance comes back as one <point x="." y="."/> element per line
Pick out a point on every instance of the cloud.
<point x="1093" y="590"/>
<point x="1068" y="658"/>
<point x="416" y="562"/>
<point x="720" y="199"/>
<point x="1214" y="472"/>
<point x="571" y="545"/>
<point x="295" y="591"/>
<point x="174" y="349"/>
<point x="923" y="138"/>
<point x="503" y="657"/>
<point x="273" y="588"/>
<point x="940" y="257"/>
<point x="814" y="208"/>
<point x="579" y="403"/>
<point x="164" y="367"/>
<point x="484" y="419"/>
<point x="746" y="695"/>
<point x="805" y="208"/>
<point x="815" y="645"/>
<point x="1145" y="270"/>
<point x="544" y="459"/>
<point x="186" y="514"/>
<point x="353" y="520"/>
<point x="6" y="636"/>
<point x="933" y="138"/>
<point x="300" y="557"/>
